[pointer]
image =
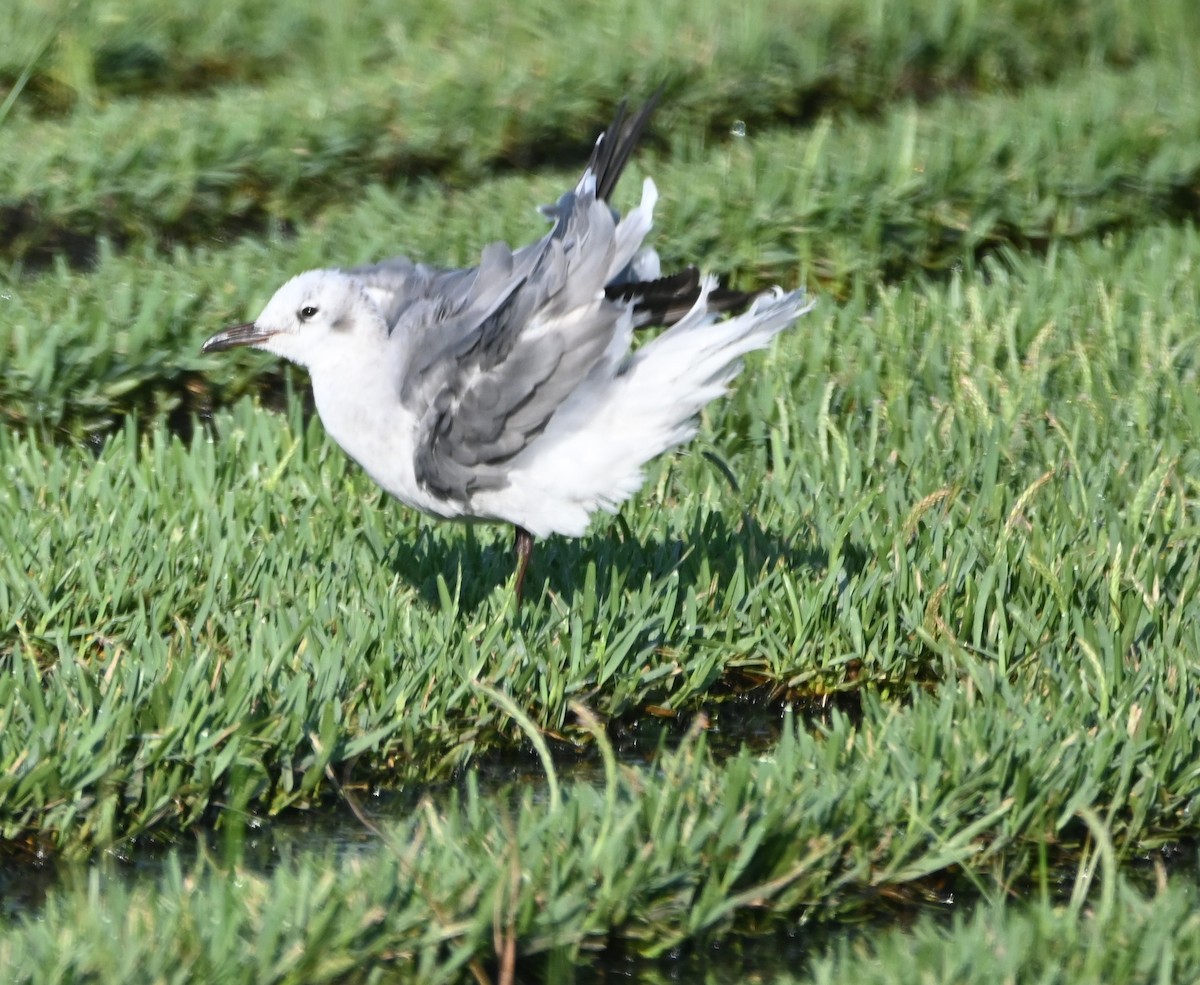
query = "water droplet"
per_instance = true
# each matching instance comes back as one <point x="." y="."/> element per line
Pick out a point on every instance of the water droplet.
<point x="739" y="128"/>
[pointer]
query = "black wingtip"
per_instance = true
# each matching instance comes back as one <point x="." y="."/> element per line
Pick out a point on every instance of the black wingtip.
<point x="666" y="300"/>
<point x="616" y="144"/>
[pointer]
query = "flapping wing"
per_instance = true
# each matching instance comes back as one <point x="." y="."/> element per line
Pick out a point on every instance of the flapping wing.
<point x="486" y="378"/>
<point x="398" y="284"/>
<point x="493" y="351"/>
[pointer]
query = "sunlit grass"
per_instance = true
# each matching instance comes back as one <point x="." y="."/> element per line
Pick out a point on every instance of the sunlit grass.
<point x="941" y="539"/>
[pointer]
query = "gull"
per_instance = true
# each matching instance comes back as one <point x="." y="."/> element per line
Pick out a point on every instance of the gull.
<point x="510" y="391"/>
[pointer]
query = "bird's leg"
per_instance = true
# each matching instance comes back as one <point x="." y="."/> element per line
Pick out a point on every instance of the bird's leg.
<point x="523" y="547"/>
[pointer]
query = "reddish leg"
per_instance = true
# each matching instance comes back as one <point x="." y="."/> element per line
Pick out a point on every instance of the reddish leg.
<point x="523" y="547"/>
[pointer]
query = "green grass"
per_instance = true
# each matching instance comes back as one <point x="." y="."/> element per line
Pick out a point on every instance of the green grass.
<point x="1132" y="938"/>
<point x="105" y="50"/>
<point x="663" y="857"/>
<point x="841" y="205"/>
<point x="385" y="99"/>
<point x="960" y="540"/>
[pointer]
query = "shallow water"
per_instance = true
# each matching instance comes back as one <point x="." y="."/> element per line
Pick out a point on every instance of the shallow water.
<point x="339" y="830"/>
<point x="262" y="843"/>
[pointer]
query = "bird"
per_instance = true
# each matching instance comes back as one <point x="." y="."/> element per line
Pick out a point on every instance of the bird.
<point x="512" y="391"/>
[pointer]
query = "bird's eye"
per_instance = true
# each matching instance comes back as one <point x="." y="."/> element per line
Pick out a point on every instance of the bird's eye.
<point x="307" y="312"/>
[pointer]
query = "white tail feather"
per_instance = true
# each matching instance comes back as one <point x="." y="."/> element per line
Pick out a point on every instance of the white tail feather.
<point x="592" y="454"/>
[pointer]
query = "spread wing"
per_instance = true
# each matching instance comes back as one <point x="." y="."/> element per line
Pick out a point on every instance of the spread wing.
<point x="398" y="285"/>
<point x="493" y="351"/>
<point x="494" y="363"/>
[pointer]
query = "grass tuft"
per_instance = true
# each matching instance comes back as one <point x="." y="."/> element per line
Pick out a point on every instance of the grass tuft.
<point x="912" y="621"/>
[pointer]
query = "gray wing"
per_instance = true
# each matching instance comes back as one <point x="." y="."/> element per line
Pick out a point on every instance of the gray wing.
<point x="490" y="367"/>
<point x="495" y="350"/>
<point x="398" y="284"/>
<point x="414" y="292"/>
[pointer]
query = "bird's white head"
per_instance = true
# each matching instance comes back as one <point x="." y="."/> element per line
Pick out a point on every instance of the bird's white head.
<point x="312" y="318"/>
